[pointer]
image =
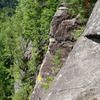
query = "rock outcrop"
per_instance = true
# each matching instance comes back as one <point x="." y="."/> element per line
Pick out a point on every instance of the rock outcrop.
<point x="61" y="40"/>
<point x="79" y="79"/>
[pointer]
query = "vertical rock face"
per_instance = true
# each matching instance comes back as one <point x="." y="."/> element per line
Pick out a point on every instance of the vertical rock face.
<point x="61" y="39"/>
<point x="79" y="79"/>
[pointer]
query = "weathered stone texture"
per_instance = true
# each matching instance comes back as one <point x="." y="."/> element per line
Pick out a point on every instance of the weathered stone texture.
<point x="79" y="79"/>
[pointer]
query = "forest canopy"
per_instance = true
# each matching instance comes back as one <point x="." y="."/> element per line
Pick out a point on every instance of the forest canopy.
<point x="23" y="22"/>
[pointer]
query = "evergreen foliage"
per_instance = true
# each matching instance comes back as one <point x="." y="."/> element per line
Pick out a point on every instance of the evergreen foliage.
<point x="82" y="7"/>
<point x="22" y="21"/>
<point x="29" y="21"/>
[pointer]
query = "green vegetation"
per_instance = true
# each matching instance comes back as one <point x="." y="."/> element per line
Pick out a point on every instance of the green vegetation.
<point x="57" y="62"/>
<point x="78" y="33"/>
<point x="48" y="81"/>
<point x="82" y="7"/>
<point x="57" y="57"/>
<point x="22" y="21"/>
<point x="55" y="69"/>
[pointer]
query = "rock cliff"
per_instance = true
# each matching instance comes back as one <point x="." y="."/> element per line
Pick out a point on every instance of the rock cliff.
<point x="61" y="40"/>
<point x="79" y="78"/>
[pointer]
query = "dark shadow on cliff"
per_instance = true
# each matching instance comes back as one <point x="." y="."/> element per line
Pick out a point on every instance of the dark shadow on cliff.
<point x="95" y="38"/>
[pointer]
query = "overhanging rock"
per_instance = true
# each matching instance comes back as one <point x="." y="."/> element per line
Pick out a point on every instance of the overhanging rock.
<point x="79" y="79"/>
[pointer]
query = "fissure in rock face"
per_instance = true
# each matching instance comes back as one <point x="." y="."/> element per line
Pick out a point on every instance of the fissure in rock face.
<point x="79" y="79"/>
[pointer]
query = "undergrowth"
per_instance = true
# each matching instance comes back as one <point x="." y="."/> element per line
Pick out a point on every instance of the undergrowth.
<point x="55" y="69"/>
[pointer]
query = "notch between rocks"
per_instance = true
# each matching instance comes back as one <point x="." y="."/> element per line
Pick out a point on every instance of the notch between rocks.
<point x="95" y="37"/>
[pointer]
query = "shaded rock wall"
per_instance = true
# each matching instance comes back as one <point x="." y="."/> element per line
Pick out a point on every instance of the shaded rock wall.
<point x="79" y="79"/>
<point x="61" y="39"/>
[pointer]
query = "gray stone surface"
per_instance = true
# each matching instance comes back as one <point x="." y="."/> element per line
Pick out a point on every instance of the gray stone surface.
<point x="79" y="79"/>
<point x="93" y="28"/>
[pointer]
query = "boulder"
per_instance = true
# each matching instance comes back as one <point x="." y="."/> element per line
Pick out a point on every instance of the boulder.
<point x="79" y="78"/>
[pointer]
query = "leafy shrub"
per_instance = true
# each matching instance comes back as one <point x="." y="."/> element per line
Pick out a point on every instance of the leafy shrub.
<point x="82" y="7"/>
<point x="55" y="70"/>
<point x="23" y="94"/>
<point x="48" y="82"/>
<point x="57" y="57"/>
<point x="78" y="33"/>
